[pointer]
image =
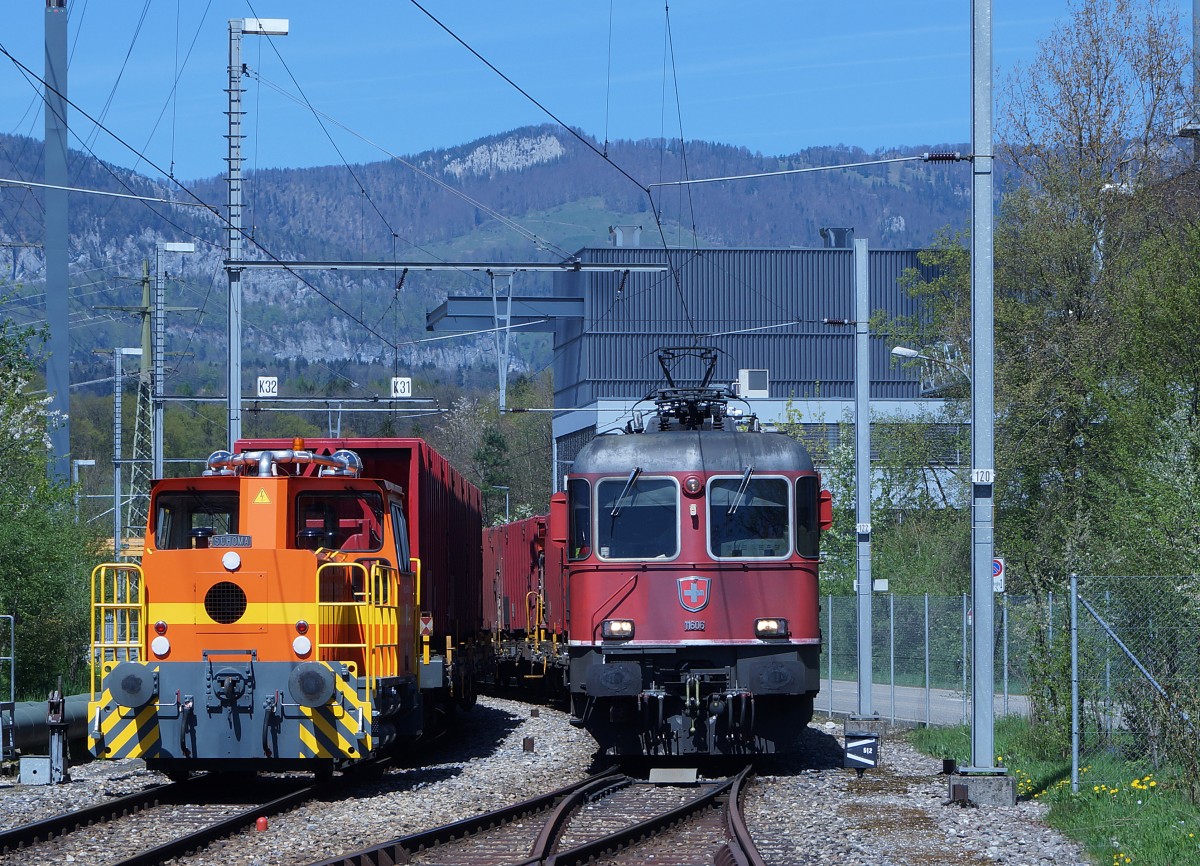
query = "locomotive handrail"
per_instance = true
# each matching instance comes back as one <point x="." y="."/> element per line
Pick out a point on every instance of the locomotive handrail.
<point x="372" y="612"/>
<point x="384" y="625"/>
<point x="420" y="641"/>
<point x="118" y="614"/>
<point x="335" y="617"/>
<point x="534" y="617"/>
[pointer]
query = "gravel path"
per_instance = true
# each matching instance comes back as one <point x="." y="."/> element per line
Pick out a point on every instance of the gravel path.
<point x="806" y="810"/>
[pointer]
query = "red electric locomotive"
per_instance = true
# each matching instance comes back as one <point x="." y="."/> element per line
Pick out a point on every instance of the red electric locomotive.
<point x="692" y="551"/>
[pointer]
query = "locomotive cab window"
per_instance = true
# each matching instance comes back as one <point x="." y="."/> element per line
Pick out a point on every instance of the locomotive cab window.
<point x="188" y="518"/>
<point x="400" y="528"/>
<point x="748" y="517"/>
<point x="349" y="520"/>
<point x="808" y="516"/>
<point x="637" y="517"/>
<point x="580" y="517"/>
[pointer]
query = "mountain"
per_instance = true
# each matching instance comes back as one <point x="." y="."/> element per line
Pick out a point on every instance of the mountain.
<point x="536" y="193"/>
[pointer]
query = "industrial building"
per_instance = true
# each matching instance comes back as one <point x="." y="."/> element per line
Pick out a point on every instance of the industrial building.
<point x="781" y="321"/>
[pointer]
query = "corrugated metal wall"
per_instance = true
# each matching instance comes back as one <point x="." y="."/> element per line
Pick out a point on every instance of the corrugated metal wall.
<point x="762" y="309"/>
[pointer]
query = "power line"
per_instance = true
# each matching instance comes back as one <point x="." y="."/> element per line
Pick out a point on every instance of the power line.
<point x="8" y="181"/>
<point x="789" y="171"/>
<point x="526" y="94"/>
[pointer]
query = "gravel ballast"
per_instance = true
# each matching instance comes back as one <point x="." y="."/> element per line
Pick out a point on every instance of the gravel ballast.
<point x="805" y="809"/>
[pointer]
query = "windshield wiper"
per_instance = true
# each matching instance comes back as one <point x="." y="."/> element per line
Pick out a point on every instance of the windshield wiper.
<point x="742" y="488"/>
<point x="633" y="476"/>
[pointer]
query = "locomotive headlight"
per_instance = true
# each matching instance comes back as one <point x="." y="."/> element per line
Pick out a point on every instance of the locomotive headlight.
<point x="692" y="485"/>
<point x="161" y="645"/>
<point x="302" y="644"/>
<point x="617" y="629"/>
<point x="771" y="627"/>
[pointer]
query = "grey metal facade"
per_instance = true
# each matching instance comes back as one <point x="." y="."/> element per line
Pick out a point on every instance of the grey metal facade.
<point x="761" y="308"/>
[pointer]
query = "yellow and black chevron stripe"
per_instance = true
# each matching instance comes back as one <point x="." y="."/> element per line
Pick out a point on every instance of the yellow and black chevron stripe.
<point x="124" y="733"/>
<point x="334" y="730"/>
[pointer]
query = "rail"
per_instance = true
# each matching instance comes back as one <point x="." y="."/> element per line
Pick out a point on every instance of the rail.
<point x="400" y="850"/>
<point x="580" y="855"/>
<point x="740" y="850"/>
<point x="15" y="838"/>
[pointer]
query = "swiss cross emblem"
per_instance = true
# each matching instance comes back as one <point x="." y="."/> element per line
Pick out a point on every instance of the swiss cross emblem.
<point x="693" y="593"/>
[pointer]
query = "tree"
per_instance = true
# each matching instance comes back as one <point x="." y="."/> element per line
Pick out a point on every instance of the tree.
<point x="1084" y="450"/>
<point x="44" y="582"/>
<point x="1096" y="109"/>
<point x="511" y="450"/>
<point x="1089" y="128"/>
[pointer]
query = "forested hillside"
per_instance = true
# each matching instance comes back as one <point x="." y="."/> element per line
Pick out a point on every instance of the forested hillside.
<point x="530" y="194"/>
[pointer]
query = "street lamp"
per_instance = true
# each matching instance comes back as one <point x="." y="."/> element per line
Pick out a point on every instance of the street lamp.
<point x="237" y="28"/>
<point x="158" y="331"/>
<point x="119" y="356"/>
<point x="75" y="464"/>
<point x="864" y="583"/>
<point x="913" y="355"/>
<point x="505" y="489"/>
<point x="932" y="384"/>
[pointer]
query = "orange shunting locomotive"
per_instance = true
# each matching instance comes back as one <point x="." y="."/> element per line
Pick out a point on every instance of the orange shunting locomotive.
<point x="297" y="606"/>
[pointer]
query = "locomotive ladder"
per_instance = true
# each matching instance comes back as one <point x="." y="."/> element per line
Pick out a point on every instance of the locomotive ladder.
<point x="118" y="614"/>
<point x="365" y="624"/>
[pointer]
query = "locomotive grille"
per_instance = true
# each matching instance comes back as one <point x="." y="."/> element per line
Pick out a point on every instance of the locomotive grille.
<point x="225" y="602"/>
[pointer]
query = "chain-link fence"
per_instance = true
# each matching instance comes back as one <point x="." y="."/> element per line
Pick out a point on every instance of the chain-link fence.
<point x="1134" y="662"/>
<point x="1115" y="676"/>
<point x="921" y="655"/>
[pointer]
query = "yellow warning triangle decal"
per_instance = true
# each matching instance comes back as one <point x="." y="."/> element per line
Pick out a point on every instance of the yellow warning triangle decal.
<point x="262" y="498"/>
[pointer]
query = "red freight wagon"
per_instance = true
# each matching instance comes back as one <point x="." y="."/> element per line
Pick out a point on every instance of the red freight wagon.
<point x="523" y="579"/>
<point x="525" y="598"/>
<point x="436" y="497"/>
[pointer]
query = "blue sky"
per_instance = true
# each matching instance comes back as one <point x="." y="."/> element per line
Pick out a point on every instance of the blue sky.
<point x="774" y="77"/>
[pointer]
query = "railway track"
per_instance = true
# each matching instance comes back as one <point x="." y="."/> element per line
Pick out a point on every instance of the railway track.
<point x="154" y="825"/>
<point x="607" y="818"/>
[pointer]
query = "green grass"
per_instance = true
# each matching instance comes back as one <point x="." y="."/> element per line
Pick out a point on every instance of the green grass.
<point x="1121" y="813"/>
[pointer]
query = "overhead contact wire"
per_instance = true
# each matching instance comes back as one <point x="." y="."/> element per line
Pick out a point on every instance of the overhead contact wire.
<point x="225" y="220"/>
<point x="526" y="94"/>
